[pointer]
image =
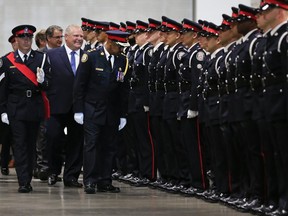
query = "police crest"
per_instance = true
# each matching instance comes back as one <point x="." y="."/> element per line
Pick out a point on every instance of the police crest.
<point x="84" y="58"/>
<point x="200" y="56"/>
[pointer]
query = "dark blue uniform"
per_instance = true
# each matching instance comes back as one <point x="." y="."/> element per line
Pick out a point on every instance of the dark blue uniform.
<point x="23" y="103"/>
<point x="99" y="96"/>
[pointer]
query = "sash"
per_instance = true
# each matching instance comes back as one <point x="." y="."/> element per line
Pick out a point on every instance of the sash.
<point x="27" y="72"/>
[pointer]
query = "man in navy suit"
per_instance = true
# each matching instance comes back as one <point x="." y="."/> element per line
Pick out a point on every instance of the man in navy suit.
<point x="99" y="104"/>
<point x="65" y="61"/>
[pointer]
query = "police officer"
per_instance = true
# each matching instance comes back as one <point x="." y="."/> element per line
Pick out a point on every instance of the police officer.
<point x="274" y="81"/>
<point x="90" y="34"/>
<point x="188" y="75"/>
<point x="103" y="72"/>
<point x="157" y="39"/>
<point x="25" y="73"/>
<point x="138" y="106"/>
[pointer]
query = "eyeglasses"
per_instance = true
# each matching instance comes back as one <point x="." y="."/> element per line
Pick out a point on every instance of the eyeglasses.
<point x="58" y="37"/>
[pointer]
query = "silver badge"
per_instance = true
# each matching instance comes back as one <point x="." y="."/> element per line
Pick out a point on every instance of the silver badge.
<point x="200" y="56"/>
<point x="180" y="54"/>
<point x="26" y="30"/>
<point x="1" y="62"/>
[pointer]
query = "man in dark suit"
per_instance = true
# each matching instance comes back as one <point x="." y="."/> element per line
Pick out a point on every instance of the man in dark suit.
<point x="24" y="74"/>
<point x="53" y="37"/>
<point x="65" y="61"/>
<point x="98" y="99"/>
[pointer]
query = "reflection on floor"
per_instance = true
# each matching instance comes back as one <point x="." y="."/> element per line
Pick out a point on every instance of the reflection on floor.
<point x="60" y="201"/>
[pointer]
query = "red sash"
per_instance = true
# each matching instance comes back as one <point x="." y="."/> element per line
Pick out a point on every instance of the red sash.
<point x="27" y="72"/>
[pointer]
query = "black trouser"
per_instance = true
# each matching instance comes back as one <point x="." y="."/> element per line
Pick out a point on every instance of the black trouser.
<point x="279" y="135"/>
<point x="236" y="154"/>
<point x="73" y="148"/>
<point x="156" y="124"/>
<point x="6" y="141"/>
<point x="24" y="144"/>
<point x="271" y="178"/>
<point x="254" y="160"/>
<point x="126" y="158"/>
<point x="41" y="148"/>
<point x="144" y="145"/>
<point x="194" y="149"/>
<point x="220" y="161"/>
<point x="177" y="169"/>
<point x="99" y="151"/>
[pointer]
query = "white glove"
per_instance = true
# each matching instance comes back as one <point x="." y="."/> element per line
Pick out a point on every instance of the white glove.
<point x="79" y="118"/>
<point x="192" y="114"/>
<point x="122" y="124"/>
<point x="4" y="118"/>
<point x="40" y="75"/>
<point x="146" y="108"/>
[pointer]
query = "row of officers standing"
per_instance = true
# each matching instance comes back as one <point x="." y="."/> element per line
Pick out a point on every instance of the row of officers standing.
<point x="195" y="97"/>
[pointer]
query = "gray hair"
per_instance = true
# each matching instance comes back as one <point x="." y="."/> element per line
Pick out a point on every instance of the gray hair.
<point x="50" y="30"/>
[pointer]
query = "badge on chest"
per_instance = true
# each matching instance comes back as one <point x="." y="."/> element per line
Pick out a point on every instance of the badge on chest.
<point x="120" y="75"/>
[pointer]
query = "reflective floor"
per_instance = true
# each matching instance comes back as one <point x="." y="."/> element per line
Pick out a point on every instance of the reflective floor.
<point x="60" y="201"/>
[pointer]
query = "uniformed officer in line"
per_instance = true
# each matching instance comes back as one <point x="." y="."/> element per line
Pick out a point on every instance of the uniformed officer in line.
<point x="274" y="82"/>
<point x="228" y="34"/>
<point x="247" y="175"/>
<point x="188" y="75"/>
<point x="157" y="39"/>
<point x="101" y="27"/>
<point x="104" y="70"/>
<point x="156" y="74"/>
<point x="89" y="33"/>
<point x="171" y="133"/>
<point x="256" y="50"/>
<point x="131" y="169"/>
<point x="25" y="73"/>
<point x="138" y="106"/>
<point x="215" y="49"/>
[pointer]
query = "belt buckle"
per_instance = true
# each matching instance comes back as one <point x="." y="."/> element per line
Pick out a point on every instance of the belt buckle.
<point x="28" y="93"/>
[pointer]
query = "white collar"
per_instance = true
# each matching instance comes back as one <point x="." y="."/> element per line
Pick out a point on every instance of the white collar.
<point x="157" y="46"/>
<point x="213" y="55"/>
<point x="245" y="37"/>
<point x="68" y="50"/>
<point x="22" y="54"/>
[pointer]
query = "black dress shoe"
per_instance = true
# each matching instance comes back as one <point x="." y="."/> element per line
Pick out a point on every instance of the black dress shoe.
<point x="43" y="175"/>
<point x="89" y="189"/>
<point x="73" y="183"/>
<point x="5" y="171"/>
<point x="108" y="188"/>
<point x="25" y="188"/>
<point x="52" y="179"/>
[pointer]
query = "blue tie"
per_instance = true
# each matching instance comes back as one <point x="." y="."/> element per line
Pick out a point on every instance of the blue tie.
<point x="73" y="62"/>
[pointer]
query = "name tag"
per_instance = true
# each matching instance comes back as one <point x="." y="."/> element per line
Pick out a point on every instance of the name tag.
<point x="12" y="66"/>
<point x="99" y="69"/>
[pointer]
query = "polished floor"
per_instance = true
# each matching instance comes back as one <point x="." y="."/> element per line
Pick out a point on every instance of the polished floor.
<point x="60" y="201"/>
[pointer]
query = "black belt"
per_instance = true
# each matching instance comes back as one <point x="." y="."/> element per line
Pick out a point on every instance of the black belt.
<point x="26" y="93"/>
<point x="170" y="87"/>
<point x="159" y="86"/>
<point x="184" y="86"/>
<point x="241" y="83"/>
<point x="272" y="81"/>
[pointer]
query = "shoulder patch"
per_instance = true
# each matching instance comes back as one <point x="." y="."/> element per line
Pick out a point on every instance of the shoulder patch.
<point x="84" y="58"/>
<point x="150" y="52"/>
<point x="200" y="56"/>
<point x="180" y="55"/>
<point x="1" y="62"/>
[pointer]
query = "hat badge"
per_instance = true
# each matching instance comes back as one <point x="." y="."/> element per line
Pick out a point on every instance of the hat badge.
<point x="26" y="30"/>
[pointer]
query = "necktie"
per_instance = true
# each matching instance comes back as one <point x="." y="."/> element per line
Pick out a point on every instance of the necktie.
<point x="73" y="62"/>
<point x="110" y="61"/>
<point x="25" y="59"/>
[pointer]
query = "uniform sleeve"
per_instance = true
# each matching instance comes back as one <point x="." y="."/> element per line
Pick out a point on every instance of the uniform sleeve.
<point x="197" y="62"/>
<point x="81" y="82"/>
<point x="3" y="86"/>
